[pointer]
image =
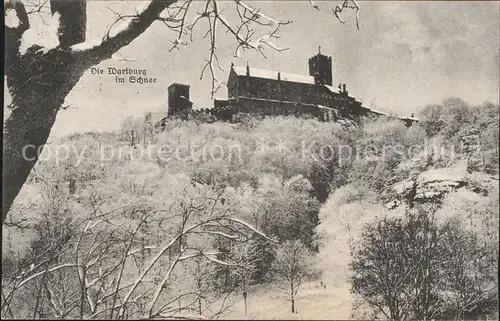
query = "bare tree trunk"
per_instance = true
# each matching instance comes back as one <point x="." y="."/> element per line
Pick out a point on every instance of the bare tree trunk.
<point x="226" y="279"/>
<point x="245" y="300"/>
<point x="83" y="293"/>
<point x="39" y="296"/>
<point x="40" y="81"/>
<point x="198" y="290"/>
<point x="38" y="84"/>
<point x="72" y="186"/>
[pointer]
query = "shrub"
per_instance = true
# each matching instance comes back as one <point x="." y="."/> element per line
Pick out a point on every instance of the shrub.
<point x="412" y="268"/>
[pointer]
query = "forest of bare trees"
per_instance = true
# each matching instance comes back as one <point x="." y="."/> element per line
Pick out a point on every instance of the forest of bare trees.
<point x="39" y="81"/>
<point x="135" y="237"/>
<point x="236" y="219"/>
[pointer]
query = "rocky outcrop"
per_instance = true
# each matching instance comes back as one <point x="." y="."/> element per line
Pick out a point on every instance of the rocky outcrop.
<point x="433" y="184"/>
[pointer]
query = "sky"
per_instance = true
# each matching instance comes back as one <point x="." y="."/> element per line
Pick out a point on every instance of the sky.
<point x="404" y="56"/>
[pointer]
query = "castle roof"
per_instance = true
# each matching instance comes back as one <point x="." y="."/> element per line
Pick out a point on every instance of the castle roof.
<point x="412" y="118"/>
<point x="379" y="112"/>
<point x="285" y="76"/>
<point x="330" y="88"/>
<point x="271" y="74"/>
<point x="178" y="85"/>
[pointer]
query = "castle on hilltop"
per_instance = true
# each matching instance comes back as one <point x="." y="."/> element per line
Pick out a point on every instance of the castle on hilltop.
<point x="253" y="91"/>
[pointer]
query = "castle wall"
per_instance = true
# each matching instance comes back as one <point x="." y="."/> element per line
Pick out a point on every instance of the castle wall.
<point x="263" y="108"/>
<point x="274" y="89"/>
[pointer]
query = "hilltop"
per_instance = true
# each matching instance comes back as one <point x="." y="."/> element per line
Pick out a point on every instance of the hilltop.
<point x="294" y="179"/>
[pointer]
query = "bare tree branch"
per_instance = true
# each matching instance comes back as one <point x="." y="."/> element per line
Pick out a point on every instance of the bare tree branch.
<point x="135" y="27"/>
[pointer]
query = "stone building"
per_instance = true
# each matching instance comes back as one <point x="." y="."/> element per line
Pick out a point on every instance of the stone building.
<point x="266" y="93"/>
<point x="260" y="92"/>
<point x="178" y="101"/>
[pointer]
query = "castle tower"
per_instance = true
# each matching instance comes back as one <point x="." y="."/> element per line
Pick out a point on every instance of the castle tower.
<point x="320" y="67"/>
<point x="178" y="100"/>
